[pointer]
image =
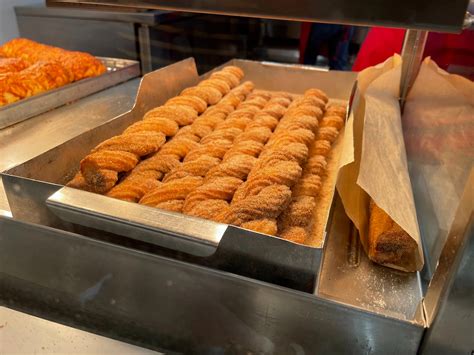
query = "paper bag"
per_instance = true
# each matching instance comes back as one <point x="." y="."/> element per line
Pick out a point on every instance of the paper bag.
<point x="373" y="161"/>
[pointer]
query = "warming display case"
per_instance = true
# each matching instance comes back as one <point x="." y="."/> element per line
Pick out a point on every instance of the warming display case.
<point x="175" y="283"/>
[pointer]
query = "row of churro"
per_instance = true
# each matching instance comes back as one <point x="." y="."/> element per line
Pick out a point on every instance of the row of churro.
<point x="149" y="173"/>
<point x="295" y="222"/>
<point x="259" y="201"/>
<point x="220" y="183"/>
<point x="101" y="169"/>
<point x="188" y="176"/>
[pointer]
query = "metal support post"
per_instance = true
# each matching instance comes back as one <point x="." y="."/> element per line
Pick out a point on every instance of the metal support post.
<point x="145" y="48"/>
<point x="412" y="54"/>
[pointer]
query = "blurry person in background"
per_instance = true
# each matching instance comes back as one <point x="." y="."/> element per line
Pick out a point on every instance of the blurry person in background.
<point x="452" y="52"/>
<point x="329" y="40"/>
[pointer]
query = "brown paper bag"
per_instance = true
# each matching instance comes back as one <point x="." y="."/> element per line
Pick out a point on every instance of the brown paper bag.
<point x="373" y="161"/>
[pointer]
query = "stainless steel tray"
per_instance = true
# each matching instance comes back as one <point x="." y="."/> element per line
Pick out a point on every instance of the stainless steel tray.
<point x="217" y="245"/>
<point x="118" y="71"/>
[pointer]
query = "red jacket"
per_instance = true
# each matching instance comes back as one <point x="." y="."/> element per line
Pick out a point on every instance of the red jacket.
<point x="447" y="50"/>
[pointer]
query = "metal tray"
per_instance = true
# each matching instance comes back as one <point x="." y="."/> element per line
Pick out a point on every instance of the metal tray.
<point x="205" y="242"/>
<point x="118" y="71"/>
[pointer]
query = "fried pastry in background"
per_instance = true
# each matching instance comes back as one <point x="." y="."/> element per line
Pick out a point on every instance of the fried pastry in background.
<point x="35" y="79"/>
<point x="79" y="65"/>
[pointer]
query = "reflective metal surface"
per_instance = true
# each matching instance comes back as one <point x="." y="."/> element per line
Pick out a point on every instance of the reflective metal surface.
<point x="118" y="71"/>
<point x="169" y="305"/>
<point x="349" y="277"/>
<point x="150" y="18"/>
<point x="420" y="14"/>
<point x="171" y="230"/>
<point x="449" y="301"/>
<point x="412" y="55"/>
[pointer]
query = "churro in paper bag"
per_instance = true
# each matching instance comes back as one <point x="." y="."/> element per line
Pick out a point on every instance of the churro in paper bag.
<point x="374" y="172"/>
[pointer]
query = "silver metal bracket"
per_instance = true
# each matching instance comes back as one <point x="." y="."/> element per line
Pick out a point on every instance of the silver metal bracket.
<point x="412" y="55"/>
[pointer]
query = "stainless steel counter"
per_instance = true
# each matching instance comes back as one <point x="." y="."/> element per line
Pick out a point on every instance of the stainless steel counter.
<point x="26" y="140"/>
<point x="21" y="333"/>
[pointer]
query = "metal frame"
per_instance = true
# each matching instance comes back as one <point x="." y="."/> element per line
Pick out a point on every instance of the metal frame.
<point x="420" y="14"/>
<point x="412" y="55"/>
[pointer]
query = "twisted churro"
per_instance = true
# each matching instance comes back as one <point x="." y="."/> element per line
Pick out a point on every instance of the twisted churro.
<point x="135" y="185"/>
<point x="216" y="148"/>
<point x="315" y="165"/>
<point x="268" y="203"/>
<point x="286" y="137"/>
<point x="295" y="234"/>
<point x="181" y="114"/>
<point x="321" y="147"/>
<point x="197" y="167"/>
<point x="143" y="178"/>
<point x="221" y="188"/>
<point x="333" y="121"/>
<point x="173" y="190"/>
<point x="171" y="205"/>
<point x="328" y="133"/>
<point x="247" y="147"/>
<point x="265" y="226"/>
<point x="160" y="124"/>
<point x="257" y="134"/>
<point x="308" y="185"/>
<point x="237" y="166"/>
<point x="198" y="104"/>
<point x="179" y="147"/>
<point x="282" y="173"/>
<point x="208" y="93"/>
<point x="298" y="213"/>
<point x="304" y="122"/>
<point x="208" y="209"/>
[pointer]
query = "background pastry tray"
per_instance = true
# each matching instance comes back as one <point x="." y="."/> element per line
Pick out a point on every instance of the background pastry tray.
<point x="118" y="71"/>
<point x="39" y="183"/>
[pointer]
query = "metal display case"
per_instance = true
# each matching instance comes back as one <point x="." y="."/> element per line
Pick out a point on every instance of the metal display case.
<point x="83" y="263"/>
<point x="436" y="15"/>
<point x="82" y="266"/>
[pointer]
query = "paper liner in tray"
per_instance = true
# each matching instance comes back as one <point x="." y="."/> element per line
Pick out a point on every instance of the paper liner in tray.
<point x="373" y="163"/>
